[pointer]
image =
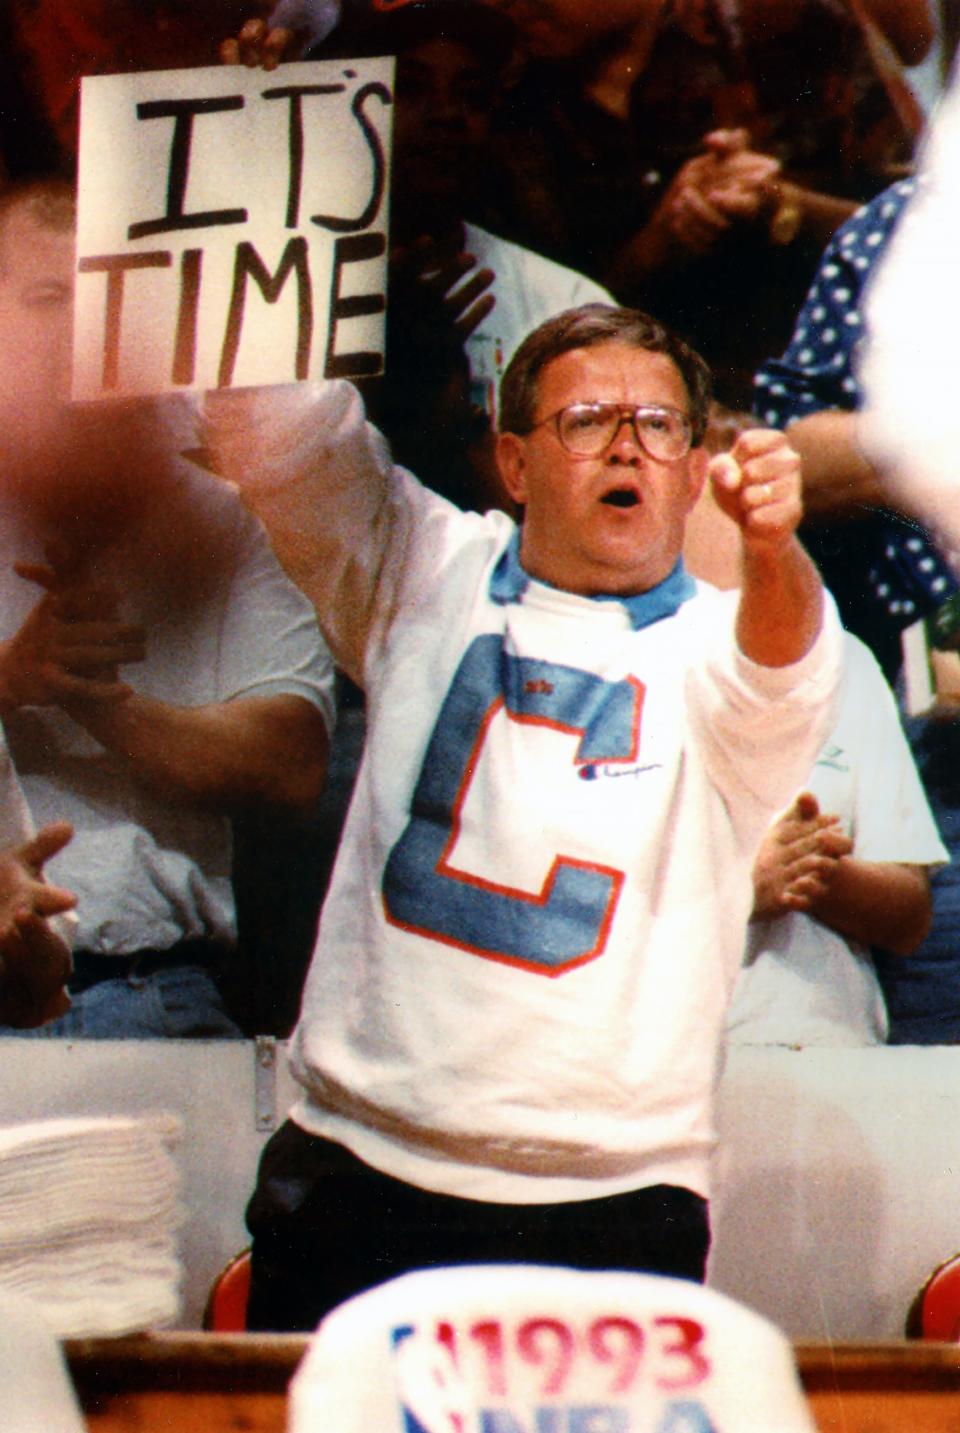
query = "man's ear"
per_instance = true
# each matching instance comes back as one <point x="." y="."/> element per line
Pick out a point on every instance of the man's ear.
<point x="698" y="461"/>
<point x="511" y="456"/>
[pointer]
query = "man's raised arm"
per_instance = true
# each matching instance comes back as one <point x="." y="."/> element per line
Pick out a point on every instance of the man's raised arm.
<point x="345" y="523"/>
<point x="758" y="485"/>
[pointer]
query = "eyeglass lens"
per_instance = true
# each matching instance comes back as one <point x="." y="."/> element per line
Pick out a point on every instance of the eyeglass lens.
<point x="588" y="428"/>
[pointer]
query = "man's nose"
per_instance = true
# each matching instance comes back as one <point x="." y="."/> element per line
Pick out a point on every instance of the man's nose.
<point x="624" y="446"/>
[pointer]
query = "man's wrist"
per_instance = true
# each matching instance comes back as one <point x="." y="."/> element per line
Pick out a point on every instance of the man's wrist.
<point x="767" y="551"/>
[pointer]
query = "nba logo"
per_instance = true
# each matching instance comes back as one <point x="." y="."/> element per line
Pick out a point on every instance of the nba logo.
<point x="433" y="1398"/>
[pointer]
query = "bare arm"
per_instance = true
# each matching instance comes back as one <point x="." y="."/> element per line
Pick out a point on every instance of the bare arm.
<point x="725" y="185"/>
<point x="877" y="903"/>
<point x="806" y="863"/>
<point x="781" y="599"/>
<point x="837" y="478"/>
<point x="817" y="214"/>
<point x="781" y="605"/>
<point x="222" y="756"/>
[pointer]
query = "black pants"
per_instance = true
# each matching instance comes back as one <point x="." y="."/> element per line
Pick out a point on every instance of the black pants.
<point x="326" y="1226"/>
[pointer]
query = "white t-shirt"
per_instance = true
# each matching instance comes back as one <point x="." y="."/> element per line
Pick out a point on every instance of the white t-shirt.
<point x="802" y="982"/>
<point x="528" y="289"/>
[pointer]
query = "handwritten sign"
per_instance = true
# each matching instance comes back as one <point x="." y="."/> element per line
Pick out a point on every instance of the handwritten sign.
<point x="232" y="226"/>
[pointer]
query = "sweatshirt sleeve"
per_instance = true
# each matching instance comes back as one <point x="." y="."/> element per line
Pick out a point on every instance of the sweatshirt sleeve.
<point x="760" y="728"/>
<point x="356" y="533"/>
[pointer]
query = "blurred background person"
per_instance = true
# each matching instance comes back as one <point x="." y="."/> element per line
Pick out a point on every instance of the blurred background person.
<point x="158" y="673"/>
<point x="695" y="156"/>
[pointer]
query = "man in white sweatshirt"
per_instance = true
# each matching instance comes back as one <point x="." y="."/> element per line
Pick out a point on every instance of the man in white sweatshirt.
<point x="510" y="1032"/>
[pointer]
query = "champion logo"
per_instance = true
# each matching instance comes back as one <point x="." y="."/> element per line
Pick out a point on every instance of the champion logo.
<point x="538" y="688"/>
<point x="591" y="771"/>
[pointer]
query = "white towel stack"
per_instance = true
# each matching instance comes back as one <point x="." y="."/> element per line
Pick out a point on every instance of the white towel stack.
<point x="89" y="1210"/>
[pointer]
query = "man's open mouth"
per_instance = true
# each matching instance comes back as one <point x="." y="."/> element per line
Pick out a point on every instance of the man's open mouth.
<point x="621" y="497"/>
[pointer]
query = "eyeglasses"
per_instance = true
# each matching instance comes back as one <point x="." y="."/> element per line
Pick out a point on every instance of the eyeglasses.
<point x="587" y="429"/>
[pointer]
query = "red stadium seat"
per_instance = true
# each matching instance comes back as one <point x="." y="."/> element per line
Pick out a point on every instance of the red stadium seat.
<point x="226" y="1310"/>
<point x="935" y="1312"/>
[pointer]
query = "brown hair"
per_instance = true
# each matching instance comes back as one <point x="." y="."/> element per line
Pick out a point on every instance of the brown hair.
<point x="587" y="327"/>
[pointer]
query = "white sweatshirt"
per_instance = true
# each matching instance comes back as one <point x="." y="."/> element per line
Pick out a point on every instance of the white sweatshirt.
<point x="538" y="908"/>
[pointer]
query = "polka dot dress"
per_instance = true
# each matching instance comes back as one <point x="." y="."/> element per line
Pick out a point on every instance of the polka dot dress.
<point x="907" y="576"/>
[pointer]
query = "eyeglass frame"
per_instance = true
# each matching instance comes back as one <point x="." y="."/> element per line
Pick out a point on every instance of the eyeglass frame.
<point x="629" y="412"/>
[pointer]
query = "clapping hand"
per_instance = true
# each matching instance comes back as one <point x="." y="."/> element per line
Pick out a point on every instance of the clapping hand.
<point x="798" y="858"/>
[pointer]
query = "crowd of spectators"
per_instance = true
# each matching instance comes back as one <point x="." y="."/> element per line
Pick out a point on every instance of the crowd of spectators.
<point x="567" y="540"/>
<point x="705" y="160"/>
<point x="696" y="157"/>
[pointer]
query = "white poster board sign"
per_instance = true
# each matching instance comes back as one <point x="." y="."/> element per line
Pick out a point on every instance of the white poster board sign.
<point x="232" y="226"/>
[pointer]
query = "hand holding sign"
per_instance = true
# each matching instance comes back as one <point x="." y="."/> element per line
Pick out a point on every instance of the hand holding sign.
<point x="258" y="46"/>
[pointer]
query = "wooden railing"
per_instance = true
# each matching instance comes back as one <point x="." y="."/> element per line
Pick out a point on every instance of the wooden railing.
<point x="212" y="1383"/>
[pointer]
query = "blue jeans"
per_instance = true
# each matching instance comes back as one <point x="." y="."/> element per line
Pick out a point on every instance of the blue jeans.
<point x="180" y="1002"/>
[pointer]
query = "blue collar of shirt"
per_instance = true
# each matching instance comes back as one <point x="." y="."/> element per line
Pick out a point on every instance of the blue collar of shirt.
<point x="509" y="582"/>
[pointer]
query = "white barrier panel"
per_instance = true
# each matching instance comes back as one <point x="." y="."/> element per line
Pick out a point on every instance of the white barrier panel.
<point x="838" y="1184"/>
